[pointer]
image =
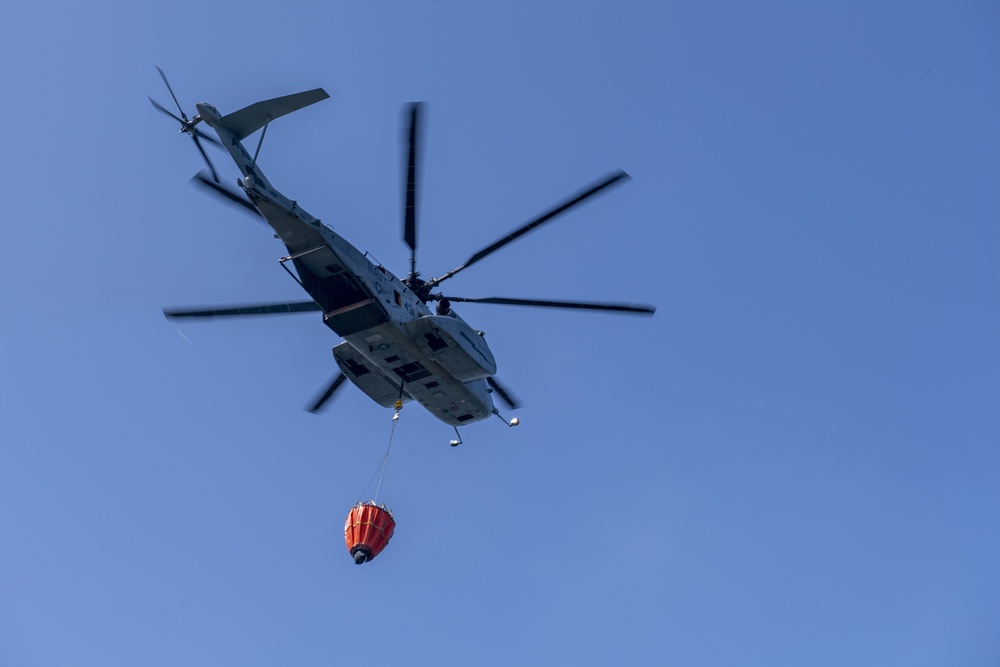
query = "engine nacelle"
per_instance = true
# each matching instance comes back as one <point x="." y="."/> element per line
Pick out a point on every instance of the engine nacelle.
<point x="208" y="113"/>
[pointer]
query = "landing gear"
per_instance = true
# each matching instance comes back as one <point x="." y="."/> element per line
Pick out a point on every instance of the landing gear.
<point x="458" y="437"/>
<point x="512" y="423"/>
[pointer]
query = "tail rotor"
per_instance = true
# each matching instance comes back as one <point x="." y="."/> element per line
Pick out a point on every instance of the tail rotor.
<point x="188" y="125"/>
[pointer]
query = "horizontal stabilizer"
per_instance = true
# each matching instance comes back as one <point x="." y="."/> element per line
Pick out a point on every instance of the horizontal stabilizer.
<point x="249" y="119"/>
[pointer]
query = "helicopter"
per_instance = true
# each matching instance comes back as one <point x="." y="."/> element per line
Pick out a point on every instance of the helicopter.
<point x="395" y="349"/>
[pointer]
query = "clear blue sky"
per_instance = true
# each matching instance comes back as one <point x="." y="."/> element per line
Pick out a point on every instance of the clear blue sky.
<point x="794" y="462"/>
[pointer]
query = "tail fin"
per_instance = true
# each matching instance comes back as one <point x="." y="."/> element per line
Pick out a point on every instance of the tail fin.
<point x="249" y="119"/>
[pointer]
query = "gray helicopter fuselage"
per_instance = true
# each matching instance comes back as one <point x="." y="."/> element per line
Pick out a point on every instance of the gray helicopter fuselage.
<point x="395" y="347"/>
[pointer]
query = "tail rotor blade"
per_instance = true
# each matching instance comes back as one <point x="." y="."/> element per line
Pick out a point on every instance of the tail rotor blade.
<point x="187" y="125"/>
<point x="161" y="108"/>
<point x="164" y="77"/>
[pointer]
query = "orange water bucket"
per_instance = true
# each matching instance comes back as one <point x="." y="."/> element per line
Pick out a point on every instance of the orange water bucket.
<point x="367" y="531"/>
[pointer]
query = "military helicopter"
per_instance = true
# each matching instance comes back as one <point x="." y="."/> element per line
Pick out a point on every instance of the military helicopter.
<point x="394" y="349"/>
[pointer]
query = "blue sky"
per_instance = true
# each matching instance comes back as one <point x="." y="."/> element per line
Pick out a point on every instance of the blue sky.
<point x="794" y="462"/>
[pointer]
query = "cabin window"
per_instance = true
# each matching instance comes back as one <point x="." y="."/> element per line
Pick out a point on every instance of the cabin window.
<point x="399" y="298"/>
<point x="339" y="291"/>
<point x="356" y="369"/>
<point x="435" y="342"/>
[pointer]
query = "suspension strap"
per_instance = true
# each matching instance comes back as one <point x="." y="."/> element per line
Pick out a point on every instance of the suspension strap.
<point x="378" y="484"/>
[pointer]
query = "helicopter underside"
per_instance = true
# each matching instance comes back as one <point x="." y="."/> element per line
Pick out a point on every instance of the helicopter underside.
<point x="384" y="361"/>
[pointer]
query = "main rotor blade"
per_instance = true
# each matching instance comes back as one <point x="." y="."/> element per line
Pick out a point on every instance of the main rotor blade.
<point x="575" y="305"/>
<point x="203" y="181"/>
<point x="543" y="218"/>
<point x="258" y="309"/>
<point x="410" y="209"/>
<point x="326" y="395"/>
<point x="164" y="77"/>
<point x="505" y="394"/>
